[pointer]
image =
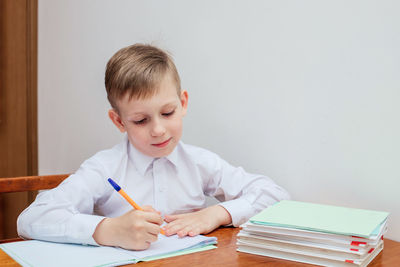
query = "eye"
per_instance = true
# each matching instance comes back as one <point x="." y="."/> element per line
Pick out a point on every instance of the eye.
<point x="142" y="121"/>
<point x="167" y="114"/>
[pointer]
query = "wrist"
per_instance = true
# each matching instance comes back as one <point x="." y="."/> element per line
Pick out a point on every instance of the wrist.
<point x="224" y="217"/>
<point x="103" y="235"/>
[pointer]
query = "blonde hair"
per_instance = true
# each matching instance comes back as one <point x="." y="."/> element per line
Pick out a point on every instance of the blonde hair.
<point x="137" y="70"/>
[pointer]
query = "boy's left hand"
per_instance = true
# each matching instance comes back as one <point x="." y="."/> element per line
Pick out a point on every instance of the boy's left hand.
<point x="198" y="222"/>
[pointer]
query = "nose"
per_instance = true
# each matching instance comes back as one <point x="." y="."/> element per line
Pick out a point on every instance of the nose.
<point x="157" y="128"/>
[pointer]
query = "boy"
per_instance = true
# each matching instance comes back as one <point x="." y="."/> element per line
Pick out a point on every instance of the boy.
<point x="152" y="165"/>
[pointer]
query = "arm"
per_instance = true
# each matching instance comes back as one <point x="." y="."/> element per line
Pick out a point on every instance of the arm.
<point x="65" y="213"/>
<point x="242" y="195"/>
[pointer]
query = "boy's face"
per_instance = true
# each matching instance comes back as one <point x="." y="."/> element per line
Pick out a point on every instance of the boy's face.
<point x="154" y="124"/>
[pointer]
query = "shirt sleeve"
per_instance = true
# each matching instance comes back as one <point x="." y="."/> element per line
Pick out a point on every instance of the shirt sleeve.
<point x="65" y="213"/>
<point x="241" y="193"/>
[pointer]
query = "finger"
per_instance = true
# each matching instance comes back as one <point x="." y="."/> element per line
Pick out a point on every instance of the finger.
<point x="153" y="217"/>
<point x="153" y="229"/>
<point x="173" y="229"/>
<point x="195" y="231"/>
<point x="148" y="208"/>
<point x="170" y="218"/>
<point x="184" y="232"/>
<point x="143" y="246"/>
<point x="151" y="238"/>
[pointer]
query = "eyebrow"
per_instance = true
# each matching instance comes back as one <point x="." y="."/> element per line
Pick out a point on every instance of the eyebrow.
<point x="174" y="104"/>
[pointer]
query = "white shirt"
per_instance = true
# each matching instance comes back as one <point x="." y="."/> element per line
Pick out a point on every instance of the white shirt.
<point x="178" y="183"/>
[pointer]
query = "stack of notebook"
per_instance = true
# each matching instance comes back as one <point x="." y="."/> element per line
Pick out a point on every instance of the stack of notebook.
<point x="314" y="233"/>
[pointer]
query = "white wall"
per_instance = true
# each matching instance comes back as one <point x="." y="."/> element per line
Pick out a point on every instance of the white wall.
<point x="306" y="92"/>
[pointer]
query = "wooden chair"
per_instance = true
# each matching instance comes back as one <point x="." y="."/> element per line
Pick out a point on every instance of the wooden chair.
<point x="29" y="183"/>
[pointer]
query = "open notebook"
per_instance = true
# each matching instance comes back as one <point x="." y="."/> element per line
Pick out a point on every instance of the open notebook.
<point x="43" y="254"/>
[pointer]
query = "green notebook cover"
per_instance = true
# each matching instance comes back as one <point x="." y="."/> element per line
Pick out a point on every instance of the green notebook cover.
<point x="321" y="218"/>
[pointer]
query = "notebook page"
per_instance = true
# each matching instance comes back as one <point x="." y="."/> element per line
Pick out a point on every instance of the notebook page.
<point x="170" y="244"/>
<point x="179" y="253"/>
<point x="49" y="254"/>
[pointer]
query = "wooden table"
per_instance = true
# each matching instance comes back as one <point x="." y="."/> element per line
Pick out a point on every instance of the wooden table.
<point x="226" y="255"/>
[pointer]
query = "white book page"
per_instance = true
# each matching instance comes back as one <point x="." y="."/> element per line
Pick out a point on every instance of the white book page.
<point x="168" y="244"/>
<point x="49" y="254"/>
<point x="308" y="258"/>
<point x="306" y="244"/>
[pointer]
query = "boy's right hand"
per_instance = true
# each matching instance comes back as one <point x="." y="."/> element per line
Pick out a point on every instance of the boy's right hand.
<point x="135" y="230"/>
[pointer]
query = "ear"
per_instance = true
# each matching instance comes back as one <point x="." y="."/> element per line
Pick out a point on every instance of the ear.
<point x="184" y="101"/>
<point x="116" y="119"/>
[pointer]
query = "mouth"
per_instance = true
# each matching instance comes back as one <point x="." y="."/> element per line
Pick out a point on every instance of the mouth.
<point x="163" y="144"/>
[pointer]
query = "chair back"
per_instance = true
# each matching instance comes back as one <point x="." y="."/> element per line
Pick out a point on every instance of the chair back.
<point x="30" y="183"/>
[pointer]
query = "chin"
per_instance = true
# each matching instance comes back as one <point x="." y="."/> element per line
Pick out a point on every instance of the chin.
<point x="163" y="152"/>
<point x="161" y="155"/>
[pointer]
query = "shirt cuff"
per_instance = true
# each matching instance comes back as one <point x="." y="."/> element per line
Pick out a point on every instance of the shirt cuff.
<point x="239" y="209"/>
<point x="82" y="227"/>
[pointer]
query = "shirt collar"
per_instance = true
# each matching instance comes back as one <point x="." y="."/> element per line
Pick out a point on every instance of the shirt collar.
<point x="142" y="162"/>
<point x="139" y="160"/>
<point x="173" y="157"/>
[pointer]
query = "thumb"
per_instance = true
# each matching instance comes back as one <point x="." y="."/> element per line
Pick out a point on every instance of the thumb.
<point x="151" y="209"/>
<point x="148" y="208"/>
